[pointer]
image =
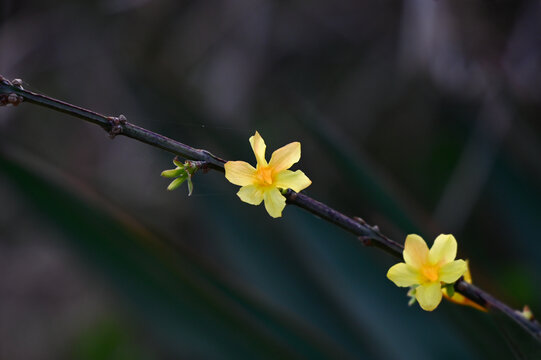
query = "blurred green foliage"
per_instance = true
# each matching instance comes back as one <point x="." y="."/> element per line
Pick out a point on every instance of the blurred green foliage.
<point x="107" y="340"/>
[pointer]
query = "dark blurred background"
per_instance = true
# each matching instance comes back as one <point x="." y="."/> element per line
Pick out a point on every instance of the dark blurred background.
<point x="419" y="116"/>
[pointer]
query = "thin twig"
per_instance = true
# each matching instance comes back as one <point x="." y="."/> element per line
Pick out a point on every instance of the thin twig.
<point x="113" y="126"/>
<point x="368" y="235"/>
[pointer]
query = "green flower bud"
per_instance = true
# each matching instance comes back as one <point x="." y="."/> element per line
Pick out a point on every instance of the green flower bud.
<point x="176" y="183"/>
<point x="173" y="173"/>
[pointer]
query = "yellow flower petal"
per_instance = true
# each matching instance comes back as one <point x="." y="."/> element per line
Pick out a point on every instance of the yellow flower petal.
<point x="450" y="272"/>
<point x="403" y="275"/>
<point x="285" y="157"/>
<point x="415" y="251"/>
<point x="443" y="250"/>
<point x="467" y="274"/>
<point x="239" y="173"/>
<point x="275" y="202"/>
<point x="251" y="194"/>
<point x="428" y="295"/>
<point x="458" y="298"/>
<point x="258" y="146"/>
<point x="288" y="179"/>
<point x="461" y="300"/>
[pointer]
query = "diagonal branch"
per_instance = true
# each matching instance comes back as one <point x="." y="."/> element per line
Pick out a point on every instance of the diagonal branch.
<point x="12" y="92"/>
<point x="111" y="124"/>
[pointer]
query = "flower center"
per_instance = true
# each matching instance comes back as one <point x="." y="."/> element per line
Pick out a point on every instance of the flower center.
<point x="430" y="272"/>
<point x="264" y="175"/>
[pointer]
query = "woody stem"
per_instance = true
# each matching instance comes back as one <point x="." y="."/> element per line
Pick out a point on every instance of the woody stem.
<point x="368" y="235"/>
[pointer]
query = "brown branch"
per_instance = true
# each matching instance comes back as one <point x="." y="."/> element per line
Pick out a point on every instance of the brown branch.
<point x="13" y="93"/>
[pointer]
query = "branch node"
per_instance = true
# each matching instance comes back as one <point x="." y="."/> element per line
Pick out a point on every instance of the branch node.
<point x="292" y="195"/>
<point x="17" y="83"/>
<point x="10" y="99"/>
<point x="4" y="80"/>
<point x="116" y="125"/>
<point x="198" y="165"/>
<point x="365" y="240"/>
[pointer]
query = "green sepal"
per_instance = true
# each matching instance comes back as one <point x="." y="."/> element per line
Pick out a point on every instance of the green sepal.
<point x="190" y="186"/>
<point x="178" y="163"/>
<point x="450" y="289"/>
<point x="411" y="295"/>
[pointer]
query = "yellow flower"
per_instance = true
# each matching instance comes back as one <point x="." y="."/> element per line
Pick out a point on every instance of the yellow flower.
<point x="461" y="299"/>
<point x="264" y="182"/>
<point x="428" y="269"/>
